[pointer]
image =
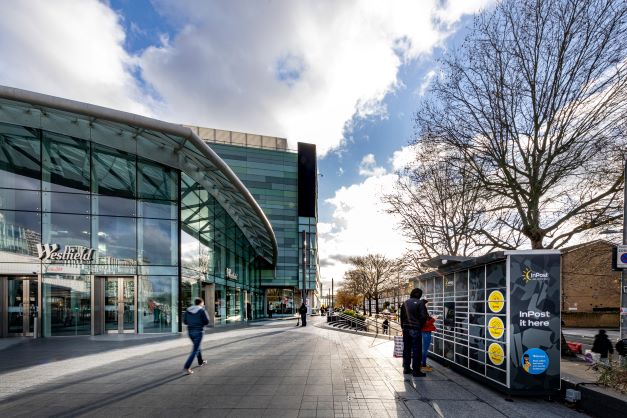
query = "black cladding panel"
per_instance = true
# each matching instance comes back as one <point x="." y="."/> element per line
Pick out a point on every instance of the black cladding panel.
<point x="307" y="180"/>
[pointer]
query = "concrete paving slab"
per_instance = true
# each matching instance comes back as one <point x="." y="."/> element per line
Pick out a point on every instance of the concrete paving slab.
<point x="311" y="372"/>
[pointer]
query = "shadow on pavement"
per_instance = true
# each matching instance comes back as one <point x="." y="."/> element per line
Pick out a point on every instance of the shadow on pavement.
<point x="106" y="399"/>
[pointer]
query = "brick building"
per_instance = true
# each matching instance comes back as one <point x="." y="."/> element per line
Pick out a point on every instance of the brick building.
<point x="590" y="289"/>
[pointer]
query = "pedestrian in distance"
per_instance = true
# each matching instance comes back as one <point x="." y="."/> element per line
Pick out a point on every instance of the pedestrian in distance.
<point x="385" y="326"/>
<point x="427" y="329"/>
<point x="303" y="314"/>
<point x="196" y="319"/>
<point x="413" y="317"/>
<point x="621" y="349"/>
<point x="603" y="346"/>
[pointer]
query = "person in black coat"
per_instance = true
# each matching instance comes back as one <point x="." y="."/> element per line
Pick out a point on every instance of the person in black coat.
<point x="602" y="345"/>
<point x="196" y="319"/>
<point x="413" y="317"/>
<point x="303" y="314"/>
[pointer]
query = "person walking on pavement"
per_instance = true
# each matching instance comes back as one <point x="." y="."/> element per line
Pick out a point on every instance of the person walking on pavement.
<point x="303" y="314"/>
<point x="602" y="345"/>
<point x="621" y="350"/>
<point x="413" y="317"/>
<point x="195" y="318"/>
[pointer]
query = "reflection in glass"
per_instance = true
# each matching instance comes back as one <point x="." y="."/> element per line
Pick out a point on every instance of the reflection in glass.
<point x="158" y="242"/>
<point x="190" y="248"/>
<point x="64" y="229"/>
<point x="15" y="306"/>
<point x="111" y="308"/>
<point x="19" y="158"/>
<point x="115" y="240"/>
<point x="20" y="232"/>
<point x="157" y="182"/>
<point x="114" y="206"/>
<point x="12" y="199"/>
<point x="66" y="202"/>
<point x="157" y="209"/>
<point x="65" y="164"/>
<point x="158" y="304"/>
<point x="113" y="172"/>
<point x="190" y="287"/>
<point x="128" y="304"/>
<point x="67" y="305"/>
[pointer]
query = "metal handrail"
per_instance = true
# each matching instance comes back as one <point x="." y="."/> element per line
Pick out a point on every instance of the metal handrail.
<point x="359" y="323"/>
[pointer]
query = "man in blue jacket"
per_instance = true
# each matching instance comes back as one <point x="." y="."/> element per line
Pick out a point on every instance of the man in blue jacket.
<point x="413" y="316"/>
<point x="195" y="318"/>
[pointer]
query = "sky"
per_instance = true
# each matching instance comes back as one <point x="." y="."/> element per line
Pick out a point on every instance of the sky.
<point x="345" y="75"/>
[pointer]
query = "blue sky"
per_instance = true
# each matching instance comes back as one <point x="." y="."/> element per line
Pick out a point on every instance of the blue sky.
<point x="344" y="75"/>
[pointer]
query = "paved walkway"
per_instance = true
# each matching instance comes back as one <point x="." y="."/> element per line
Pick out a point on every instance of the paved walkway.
<point x="270" y="369"/>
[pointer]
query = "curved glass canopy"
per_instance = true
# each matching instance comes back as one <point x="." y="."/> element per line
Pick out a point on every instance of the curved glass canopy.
<point x="170" y="144"/>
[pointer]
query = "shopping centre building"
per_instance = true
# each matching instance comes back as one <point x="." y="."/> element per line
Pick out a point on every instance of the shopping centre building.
<point x="112" y="222"/>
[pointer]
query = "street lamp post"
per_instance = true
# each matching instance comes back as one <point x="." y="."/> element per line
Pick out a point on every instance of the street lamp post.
<point x="304" y="291"/>
<point x="623" y="281"/>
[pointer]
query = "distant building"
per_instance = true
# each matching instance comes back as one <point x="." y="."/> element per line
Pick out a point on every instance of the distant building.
<point x="590" y="289"/>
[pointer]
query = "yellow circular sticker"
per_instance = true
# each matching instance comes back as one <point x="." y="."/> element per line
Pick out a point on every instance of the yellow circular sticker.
<point x="496" y="301"/>
<point x="496" y="354"/>
<point x="496" y="328"/>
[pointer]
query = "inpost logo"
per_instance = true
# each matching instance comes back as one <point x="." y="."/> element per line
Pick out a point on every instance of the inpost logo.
<point x="529" y="275"/>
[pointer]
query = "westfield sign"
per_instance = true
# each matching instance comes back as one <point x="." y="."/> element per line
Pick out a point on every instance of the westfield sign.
<point x="71" y="253"/>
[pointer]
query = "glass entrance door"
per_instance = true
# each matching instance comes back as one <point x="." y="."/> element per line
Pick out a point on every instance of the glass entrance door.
<point x="21" y="304"/>
<point x="119" y="304"/>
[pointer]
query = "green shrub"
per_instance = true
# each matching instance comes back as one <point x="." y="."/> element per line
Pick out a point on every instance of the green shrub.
<point x="354" y="314"/>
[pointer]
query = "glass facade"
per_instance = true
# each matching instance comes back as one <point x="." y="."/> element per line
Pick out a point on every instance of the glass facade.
<point x="272" y="178"/>
<point x="215" y="252"/>
<point x="98" y="233"/>
<point x="271" y="175"/>
<point x="107" y="227"/>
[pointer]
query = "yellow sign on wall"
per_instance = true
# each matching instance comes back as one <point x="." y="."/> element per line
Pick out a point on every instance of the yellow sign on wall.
<point x="496" y="354"/>
<point x="496" y="301"/>
<point x="496" y="328"/>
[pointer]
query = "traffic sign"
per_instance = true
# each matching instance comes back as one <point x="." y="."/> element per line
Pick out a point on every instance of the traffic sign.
<point x="621" y="257"/>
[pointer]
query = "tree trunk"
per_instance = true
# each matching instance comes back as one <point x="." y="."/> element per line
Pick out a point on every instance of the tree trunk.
<point x="369" y="305"/>
<point x="536" y="242"/>
<point x="376" y="301"/>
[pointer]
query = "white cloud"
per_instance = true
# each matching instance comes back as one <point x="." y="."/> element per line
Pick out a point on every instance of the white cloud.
<point x="300" y="70"/>
<point x="403" y="157"/>
<point x="368" y="167"/>
<point x="426" y="81"/>
<point x="72" y="49"/>
<point x="359" y="222"/>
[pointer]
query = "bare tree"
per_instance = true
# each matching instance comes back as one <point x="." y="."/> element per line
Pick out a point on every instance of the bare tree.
<point x="356" y="283"/>
<point x="531" y="105"/>
<point x="375" y="271"/>
<point x="439" y="207"/>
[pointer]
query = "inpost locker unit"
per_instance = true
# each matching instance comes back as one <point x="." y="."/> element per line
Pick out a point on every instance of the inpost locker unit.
<point x="498" y="318"/>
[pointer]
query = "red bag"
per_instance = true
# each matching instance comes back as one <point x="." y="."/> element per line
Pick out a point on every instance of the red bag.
<point x="429" y="326"/>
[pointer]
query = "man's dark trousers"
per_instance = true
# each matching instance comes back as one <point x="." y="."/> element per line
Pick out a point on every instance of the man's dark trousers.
<point x="196" y="337"/>
<point x="412" y="349"/>
<point x="303" y="318"/>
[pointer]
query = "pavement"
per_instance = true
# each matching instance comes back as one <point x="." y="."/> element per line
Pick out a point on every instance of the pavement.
<point x="270" y="368"/>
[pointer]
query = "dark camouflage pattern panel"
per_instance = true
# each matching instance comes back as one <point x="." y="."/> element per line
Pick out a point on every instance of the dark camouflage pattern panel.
<point x="534" y="323"/>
